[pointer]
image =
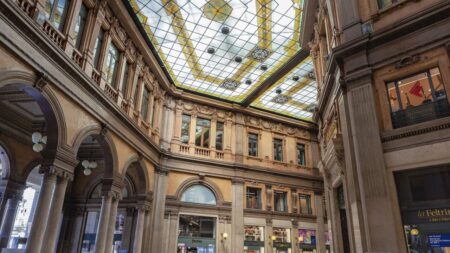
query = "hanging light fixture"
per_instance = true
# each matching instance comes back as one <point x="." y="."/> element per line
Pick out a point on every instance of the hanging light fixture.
<point x="88" y="165"/>
<point x="39" y="140"/>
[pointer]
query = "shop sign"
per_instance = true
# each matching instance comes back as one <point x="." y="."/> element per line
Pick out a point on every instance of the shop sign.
<point x="439" y="240"/>
<point x="430" y="215"/>
<point x="254" y="243"/>
<point x="282" y="245"/>
<point x="307" y="247"/>
<point x="197" y="242"/>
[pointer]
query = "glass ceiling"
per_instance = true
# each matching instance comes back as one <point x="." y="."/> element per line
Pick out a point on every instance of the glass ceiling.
<point x="227" y="48"/>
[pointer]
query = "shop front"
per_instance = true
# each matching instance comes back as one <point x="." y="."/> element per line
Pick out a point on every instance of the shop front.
<point x="307" y="240"/>
<point x="196" y="234"/>
<point x="254" y="239"/>
<point x="424" y="200"/>
<point x="281" y="240"/>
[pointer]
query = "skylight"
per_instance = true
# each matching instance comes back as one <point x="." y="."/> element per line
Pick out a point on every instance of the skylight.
<point x="227" y="48"/>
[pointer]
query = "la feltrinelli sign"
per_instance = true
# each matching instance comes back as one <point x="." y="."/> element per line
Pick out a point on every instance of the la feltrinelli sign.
<point x="432" y="215"/>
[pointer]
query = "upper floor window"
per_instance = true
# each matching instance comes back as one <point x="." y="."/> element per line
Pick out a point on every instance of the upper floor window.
<point x="384" y="3"/>
<point x="185" y="126"/>
<point x="202" y="132"/>
<point x="280" y="201"/>
<point x="55" y="12"/>
<point x="417" y="98"/>
<point x="219" y="136"/>
<point x="79" y="26"/>
<point x="301" y="154"/>
<point x="145" y="101"/>
<point x="199" y="194"/>
<point x="112" y="59"/>
<point x="277" y="150"/>
<point x="126" y="73"/>
<point x="252" y="144"/>
<point x="305" y="203"/>
<point x="98" y="47"/>
<point x="254" y="198"/>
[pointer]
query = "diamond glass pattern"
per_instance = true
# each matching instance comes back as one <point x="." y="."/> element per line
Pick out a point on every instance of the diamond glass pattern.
<point x="262" y="33"/>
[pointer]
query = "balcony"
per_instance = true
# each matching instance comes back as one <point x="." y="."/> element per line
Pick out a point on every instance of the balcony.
<point x="421" y="113"/>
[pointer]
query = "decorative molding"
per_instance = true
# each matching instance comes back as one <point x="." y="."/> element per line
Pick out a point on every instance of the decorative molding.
<point x="415" y="132"/>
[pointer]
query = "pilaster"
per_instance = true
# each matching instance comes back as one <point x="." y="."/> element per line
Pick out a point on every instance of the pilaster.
<point x="237" y="216"/>
<point x="158" y="207"/>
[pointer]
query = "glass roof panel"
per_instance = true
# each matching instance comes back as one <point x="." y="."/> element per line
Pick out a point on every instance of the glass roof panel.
<point x="227" y="48"/>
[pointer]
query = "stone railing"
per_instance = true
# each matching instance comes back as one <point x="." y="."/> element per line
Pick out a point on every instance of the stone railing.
<point x="27" y="6"/>
<point x="111" y="92"/>
<point x="202" y="152"/>
<point x="96" y="76"/>
<point x="54" y="34"/>
<point x="220" y="155"/>
<point x="77" y="57"/>
<point x="184" y="149"/>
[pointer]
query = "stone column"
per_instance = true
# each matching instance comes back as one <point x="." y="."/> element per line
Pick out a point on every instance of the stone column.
<point x="51" y="232"/>
<point x="127" y="230"/>
<point x="168" y="122"/>
<point x="268" y="244"/>
<point x="41" y="216"/>
<point x="370" y="168"/>
<point x="112" y="223"/>
<point x="147" y="232"/>
<point x="320" y="226"/>
<point x="102" y="229"/>
<point x="239" y="131"/>
<point x="173" y="232"/>
<point x="159" y="203"/>
<point x="237" y="217"/>
<point x="294" y="236"/>
<point x="7" y="225"/>
<point x="139" y="230"/>
<point x="192" y="134"/>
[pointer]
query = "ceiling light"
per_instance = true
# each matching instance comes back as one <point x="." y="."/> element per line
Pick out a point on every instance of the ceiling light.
<point x="88" y="166"/>
<point x="248" y="81"/>
<point x="238" y="59"/>
<point x="296" y="78"/>
<point x="39" y="141"/>
<point x="263" y="67"/>
<point x="211" y="50"/>
<point x="278" y="91"/>
<point x="225" y="30"/>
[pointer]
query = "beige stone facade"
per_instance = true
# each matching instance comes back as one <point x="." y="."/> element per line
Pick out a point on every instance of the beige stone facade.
<point x="134" y="199"/>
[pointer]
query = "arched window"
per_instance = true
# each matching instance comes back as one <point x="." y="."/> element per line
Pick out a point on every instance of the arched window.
<point x="199" y="194"/>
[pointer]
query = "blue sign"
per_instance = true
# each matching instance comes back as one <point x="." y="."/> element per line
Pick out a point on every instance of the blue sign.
<point x="439" y="240"/>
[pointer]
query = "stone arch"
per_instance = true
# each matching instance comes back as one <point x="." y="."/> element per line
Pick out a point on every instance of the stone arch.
<point x="139" y="176"/>
<point x="105" y="140"/>
<point x="199" y="181"/>
<point x="36" y="87"/>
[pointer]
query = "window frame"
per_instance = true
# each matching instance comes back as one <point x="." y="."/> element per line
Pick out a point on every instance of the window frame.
<point x="282" y="149"/>
<point x="217" y="136"/>
<point x="188" y="128"/>
<point x="109" y="61"/>
<point x="203" y="143"/>
<point x="249" y="133"/>
<point x="297" y="153"/>
<point x="51" y="16"/>
<point x="285" y="202"/>
<point x="144" y="106"/>
<point x="258" y="197"/>
<point x="308" y="203"/>
<point x="80" y="34"/>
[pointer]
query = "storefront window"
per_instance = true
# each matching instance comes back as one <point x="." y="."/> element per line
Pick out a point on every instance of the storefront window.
<point x="254" y="239"/>
<point x="424" y="199"/>
<point x="417" y="98"/>
<point x="196" y="234"/>
<point x="281" y="240"/>
<point x="307" y="240"/>
<point x="253" y="198"/>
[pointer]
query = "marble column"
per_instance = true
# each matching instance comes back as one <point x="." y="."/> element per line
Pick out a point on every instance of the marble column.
<point x="41" y="216"/>
<point x="7" y="225"/>
<point x="51" y="231"/>
<point x="237" y="217"/>
<point x="159" y="203"/>
<point x="139" y="230"/>
<point x="127" y="230"/>
<point x="320" y="226"/>
<point x="102" y="228"/>
<point x="112" y="224"/>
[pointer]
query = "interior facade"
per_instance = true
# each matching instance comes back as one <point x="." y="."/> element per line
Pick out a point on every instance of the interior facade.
<point x="224" y="126"/>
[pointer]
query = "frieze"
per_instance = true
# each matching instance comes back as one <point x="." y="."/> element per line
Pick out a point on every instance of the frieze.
<point x="275" y="127"/>
<point x="196" y="109"/>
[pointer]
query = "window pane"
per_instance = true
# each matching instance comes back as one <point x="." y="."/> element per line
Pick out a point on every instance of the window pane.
<point x="414" y="90"/>
<point x="125" y="79"/>
<point x="98" y="47"/>
<point x="144" y="105"/>
<point x="252" y="144"/>
<point x="48" y="8"/>
<point x="112" y="59"/>
<point x="58" y="17"/>
<point x="79" y="26"/>
<point x="393" y="98"/>
<point x="280" y="199"/>
<point x="202" y="132"/>
<point x="253" y="198"/>
<point x="438" y="84"/>
<point x="219" y="136"/>
<point x="301" y="154"/>
<point x="199" y="194"/>
<point x="185" y="125"/>
<point x="196" y="226"/>
<point x="384" y="3"/>
<point x="277" y="150"/>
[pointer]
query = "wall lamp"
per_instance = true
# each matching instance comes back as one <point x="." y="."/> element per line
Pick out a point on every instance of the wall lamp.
<point x="224" y="237"/>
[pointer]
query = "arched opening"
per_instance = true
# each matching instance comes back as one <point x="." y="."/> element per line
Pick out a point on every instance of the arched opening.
<point x="199" y="194"/>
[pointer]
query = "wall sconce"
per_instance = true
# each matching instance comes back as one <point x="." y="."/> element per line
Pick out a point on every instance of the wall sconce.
<point x="224" y="236"/>
<point x="300" y="238"/>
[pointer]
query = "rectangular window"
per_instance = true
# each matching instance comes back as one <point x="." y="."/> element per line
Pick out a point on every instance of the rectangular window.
<point x="145" y="101"/>
<point x="202" y="132"/>
<point x="126" y="73"/>
<point x="79" y="26"/>
<point x="185" y="126"/>
<point x="112" y="59"/>
<point x="277" y="150"/>
<point x="254" y="198"/>
<point x="305" y="203"/>
<point x="219" y="136"/>
<point x="98" y="47"/>
<point x="385" y="3"/>
<point x="301" y="154"/>
<point x="417" y="98"/>
<point x="252" y="144"/>
<point x="55" y="12"/>
<point x="280" y="201"/>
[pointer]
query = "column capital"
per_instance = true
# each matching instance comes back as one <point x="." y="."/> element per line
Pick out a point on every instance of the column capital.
<point x="237" y="180"/>
<point x="163" y="170"/>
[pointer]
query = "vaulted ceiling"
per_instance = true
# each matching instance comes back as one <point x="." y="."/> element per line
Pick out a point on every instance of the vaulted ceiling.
<point x="241" y="51"/>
